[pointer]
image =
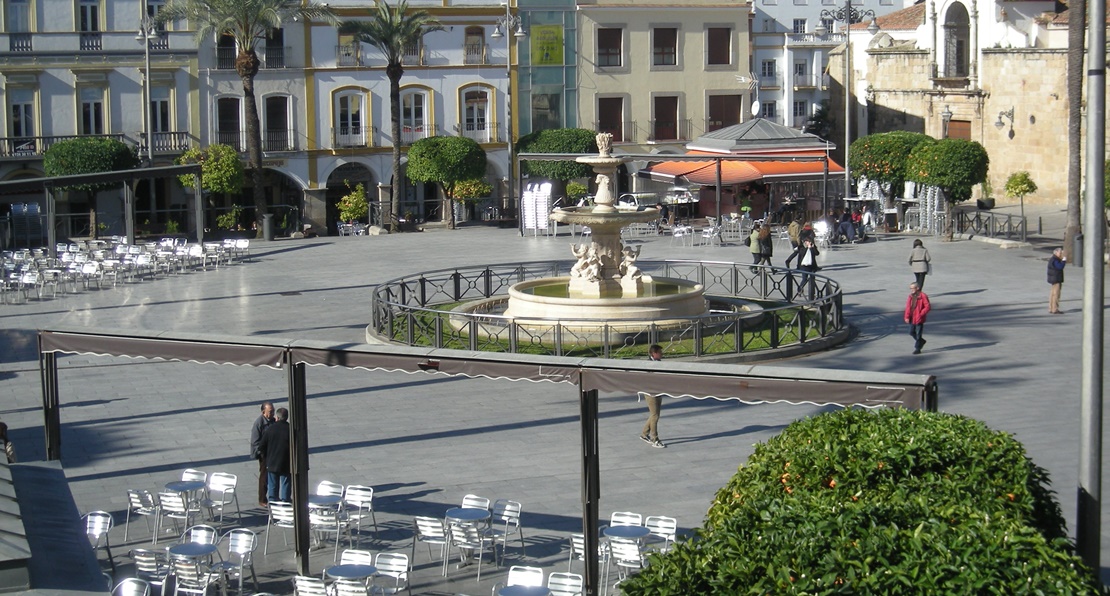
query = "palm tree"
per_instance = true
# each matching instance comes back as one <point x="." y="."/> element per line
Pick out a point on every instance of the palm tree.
<point x="1077" y="28"/>
<point x="247" y="21"/>
<point x="391" y="30"/>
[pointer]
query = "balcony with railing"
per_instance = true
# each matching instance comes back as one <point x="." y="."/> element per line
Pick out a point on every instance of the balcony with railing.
<point x="805" y="81"/>
<point x="168" y="142"/>
<point x="231" y="138"/>
<point x="19" y="42"/>
<point x="414" y="55"/>
<point x="623" y="132"/>
<point x="269" y="57"/>
<point x="712" y="124"/>
<point x="411" y="134"/>
<point x="348" y="54"/>
<point x="31" y="146"/>
<point x="770" y="81"/>
<point x="278" y="140"/>
<point x="352" y="136"/>
<point x="668" y="130"/>
<point x="814" y="40"/>
<point x="478" y="131"/>
<point x="90" y="41"/>
<point x="475" y="53"/>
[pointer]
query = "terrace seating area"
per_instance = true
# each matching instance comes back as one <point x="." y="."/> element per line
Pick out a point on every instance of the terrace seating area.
<point x="34" y="274"/>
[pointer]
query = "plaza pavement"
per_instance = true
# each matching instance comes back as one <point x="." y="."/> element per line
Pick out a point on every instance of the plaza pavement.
<point x="425" y="441"/>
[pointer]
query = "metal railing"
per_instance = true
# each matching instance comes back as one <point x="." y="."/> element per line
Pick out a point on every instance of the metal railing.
<point x="90" y="41"/>
<point x="668" y="130"/>
<point x="348" y="55"/>
<point x="351" y="136"/>
<point x="277" y="140"/>
<point x="20" y="147"/>
<point x="623" y="132"/>
<point x="478" y="131"/>
<point x="20" y="42"/>
<point x="474" y="53"/>
<point x="415" y="311"/>
<point x="990" y="224"/>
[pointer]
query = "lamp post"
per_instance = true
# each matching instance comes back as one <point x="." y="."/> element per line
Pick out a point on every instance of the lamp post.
<point x="849" y="15"/>
<point x="148" y="32"/>
<point x="945" y="119"/>
<point x="509" y="22"/>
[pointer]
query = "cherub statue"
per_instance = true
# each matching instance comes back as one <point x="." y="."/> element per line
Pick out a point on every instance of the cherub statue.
<point x="604" y="143"/>
<point x="582" y="253"/>
<point x="593" y="270"/>
<point x="628" y="268"/>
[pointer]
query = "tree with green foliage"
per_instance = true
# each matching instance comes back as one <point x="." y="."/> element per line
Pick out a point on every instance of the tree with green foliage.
<point x="820" y="123"/>
<point x="883" y="156"/>
<point x="391" y="30"/>
<point x="1018" y="185"/>
<point x="221" y="169"/>
<point x="559" y="140"/>
<point x="354" y="205"/>
<point x="446" y="161"/>
<point x="891" y="502"/>
<point x="89" y="155"/>
<point x="954" y="165"/>
<point x="249" y="23"/>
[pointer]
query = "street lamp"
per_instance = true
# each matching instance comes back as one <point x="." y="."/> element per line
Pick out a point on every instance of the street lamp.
<point x="849" y="15"/>
<point x="509" y="22"/>
<point x="945" y="119"/>
<point x="148" y="33"/>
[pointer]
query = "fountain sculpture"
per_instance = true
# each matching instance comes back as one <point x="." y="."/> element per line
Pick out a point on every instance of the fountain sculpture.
<point x="605" y="284"/>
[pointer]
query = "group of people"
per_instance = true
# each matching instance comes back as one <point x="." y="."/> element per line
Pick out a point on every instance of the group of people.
<point x="270" y="446"/>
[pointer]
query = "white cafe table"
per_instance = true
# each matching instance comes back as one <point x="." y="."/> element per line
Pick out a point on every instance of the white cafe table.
<point x="524" y="591"/>
<point x="627" y="532"/>
<point x="324" y="500"/>
<point x="467" y="514"/>
<point x="351" y="571"/>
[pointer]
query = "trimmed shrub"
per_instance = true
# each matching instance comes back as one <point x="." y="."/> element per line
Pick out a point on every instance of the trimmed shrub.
<point x="885" y="502"/>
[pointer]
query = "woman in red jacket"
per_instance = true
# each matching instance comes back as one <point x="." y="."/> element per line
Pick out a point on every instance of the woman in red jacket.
<point x="917" y="307"/>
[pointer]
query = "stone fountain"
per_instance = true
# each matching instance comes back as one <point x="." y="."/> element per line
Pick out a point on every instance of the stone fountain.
<point x="605" y="283"/>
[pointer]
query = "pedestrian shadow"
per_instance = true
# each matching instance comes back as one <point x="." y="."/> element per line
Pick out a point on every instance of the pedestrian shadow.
<point x="966" y="346"/>
<point x="961" y="293"/>
<point x="753" y="428"/>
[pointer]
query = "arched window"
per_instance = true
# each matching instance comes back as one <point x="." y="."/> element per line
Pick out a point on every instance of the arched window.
<point x="414" y="115"/>
<point x="475" y="102"/>
<point x="474" y="48"/>
<point x="349" y="127"/>
<point x="957" y="36"/>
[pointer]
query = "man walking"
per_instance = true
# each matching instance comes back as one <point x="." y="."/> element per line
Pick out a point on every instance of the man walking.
<point x="917" y="307"/>
<point x="1056" y="264"/>
<point x="650" y="434"/>
<point x="275" y="451"/>
<point x="263" y="421"/>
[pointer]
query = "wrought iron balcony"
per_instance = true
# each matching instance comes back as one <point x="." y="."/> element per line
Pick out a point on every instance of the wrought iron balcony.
<point x="352" y="136"/>
<point x="35" y="146"/>
<point x="668" y="130"/>
<point x="623" y="132"/>
<point x="19" y="42"/>
<point x="348" y="54"/>
<point x="90" y="41"/>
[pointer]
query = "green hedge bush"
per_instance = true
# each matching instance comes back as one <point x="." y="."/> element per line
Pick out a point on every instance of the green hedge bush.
<point x="884" y="502"/>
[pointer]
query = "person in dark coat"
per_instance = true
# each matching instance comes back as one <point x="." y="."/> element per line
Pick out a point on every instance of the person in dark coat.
<point x="806" y="253"/>
<point x="1056" y="264"/>
<point x="259" y="426"/>
<point x="275" y="451"/>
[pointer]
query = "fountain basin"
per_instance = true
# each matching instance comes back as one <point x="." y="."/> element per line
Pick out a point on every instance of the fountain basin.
<point x="663" y="298"/>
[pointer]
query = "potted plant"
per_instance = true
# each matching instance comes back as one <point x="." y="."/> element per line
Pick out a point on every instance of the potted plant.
<point x="229" y="221"/>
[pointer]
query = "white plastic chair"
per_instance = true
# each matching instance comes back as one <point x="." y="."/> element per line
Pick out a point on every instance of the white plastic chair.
<point x="625" y="518"/>
<point x="519" y="575"/>
<point x="628" y="558"/>
<point x="97" y="526"/>
<point x="172" y="505"/>
<point x="565" y="584"/>
<point x="221" y="493"/>
<point x="663" y="530"/>
<point x="430" y="530"/>
<point x="140" y="502"/>
<point x="191" y="576"/>
<point x="309" y="586"/>
<point x="394" y="566"/>
<point x="469" y="541"/>
<point x="328" y="488"/>
<point x="475" y="501"/>
<point x="151" y="566"/>
<point x="281" y="516"/>
<point x="241" y="543"/>
<point x="504" y="520"/>
<point x="361" y="498"/>
<point x="132" y="586"/>
<point x="325" y="520"/>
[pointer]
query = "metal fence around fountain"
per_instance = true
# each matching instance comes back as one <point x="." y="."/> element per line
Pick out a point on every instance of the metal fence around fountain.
<point x="417" y="310"/>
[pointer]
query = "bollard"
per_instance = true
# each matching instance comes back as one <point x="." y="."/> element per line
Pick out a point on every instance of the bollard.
<point x="267" y="226"/>
<point x="1077" y="251"/>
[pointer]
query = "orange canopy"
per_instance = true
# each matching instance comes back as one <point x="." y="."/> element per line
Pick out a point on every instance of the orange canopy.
<point x="734" y="171"/>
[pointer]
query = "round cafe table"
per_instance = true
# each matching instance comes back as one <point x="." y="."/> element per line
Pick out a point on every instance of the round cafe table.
<point x="193" y="550"/>
<point x="524" y="591"/>
<point x="184" y="486"/>
<point x="324" y="500"/>
<point x="467" y="514"/>
<point x="627" y="532"/>
<point x="351" y="571"/>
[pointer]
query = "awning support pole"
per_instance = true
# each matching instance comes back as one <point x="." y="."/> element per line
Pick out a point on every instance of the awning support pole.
<point x="591" y="489"/>
<point x="298" y="460"/>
